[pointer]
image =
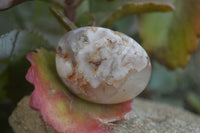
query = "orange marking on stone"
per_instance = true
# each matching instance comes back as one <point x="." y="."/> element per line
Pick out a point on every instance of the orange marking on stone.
<point x="65" y="55"/>
<point x="118" y="33"/>
<point x="95" y="70"/>
<point x="94" y="28"/>
<point x="135" y="53"/>
<point x="82" y="87"/>
<point x="73" y="75"/>
<point x="59" y="51"/>
<point x="99" y="48"/>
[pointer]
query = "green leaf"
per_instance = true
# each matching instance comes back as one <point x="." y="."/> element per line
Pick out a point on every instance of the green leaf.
<point x="13" y="48"/>
<point x="172" y="37"/>
<point x="84" y="17"/>
<point x="127" y="25"/>
<point x="106" y="13"/>
<point x="18" y="43"/>
<point x="194" y="101"/>
<point x="32" y="16"/>
<point x="7" y="43"/>
<point x="3" y="80"/>
<point x="5" y="4"/>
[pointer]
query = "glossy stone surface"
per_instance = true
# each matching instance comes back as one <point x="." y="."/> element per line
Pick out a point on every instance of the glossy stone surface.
<point x="101" y="65"/>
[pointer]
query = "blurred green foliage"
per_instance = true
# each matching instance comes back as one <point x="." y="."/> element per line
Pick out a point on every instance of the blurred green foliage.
<point x="31" y="25"/>
<point x="174" y="32"/>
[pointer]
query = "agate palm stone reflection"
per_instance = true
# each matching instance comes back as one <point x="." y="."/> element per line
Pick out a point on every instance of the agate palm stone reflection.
<point x="101" y="65"/>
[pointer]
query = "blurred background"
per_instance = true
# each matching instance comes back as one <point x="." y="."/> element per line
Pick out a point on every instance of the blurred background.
<point x="31" y="25"/>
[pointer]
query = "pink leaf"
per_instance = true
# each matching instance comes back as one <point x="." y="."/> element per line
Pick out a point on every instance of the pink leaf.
<point x="60" y="108"/>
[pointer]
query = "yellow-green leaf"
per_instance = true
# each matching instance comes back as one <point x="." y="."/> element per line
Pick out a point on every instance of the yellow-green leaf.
<point x="172" y="37"/>
<point x="107" y="12"/>
<point x="65" y="112"/>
